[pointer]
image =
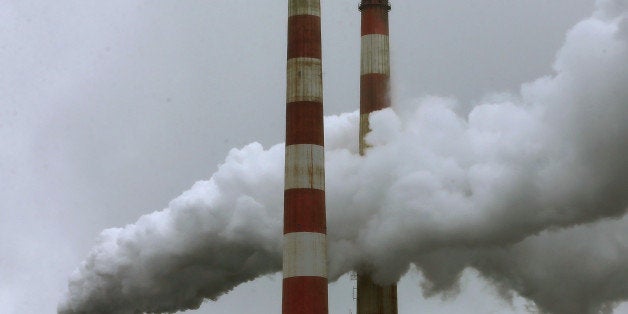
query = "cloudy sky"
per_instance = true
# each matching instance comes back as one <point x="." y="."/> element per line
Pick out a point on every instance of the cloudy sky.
<point x="109" y="110"/>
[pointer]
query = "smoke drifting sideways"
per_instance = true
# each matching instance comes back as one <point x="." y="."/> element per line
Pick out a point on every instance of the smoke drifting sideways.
<point x="529" y="189"/>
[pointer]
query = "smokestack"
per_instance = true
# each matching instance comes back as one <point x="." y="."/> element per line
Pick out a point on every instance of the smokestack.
<point x="375" y="65"/>
<point x="374" y="95"/>
<point x="305" y="243"/>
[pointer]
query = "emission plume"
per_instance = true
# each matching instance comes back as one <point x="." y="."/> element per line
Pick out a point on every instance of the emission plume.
<point x="528" y="188"/>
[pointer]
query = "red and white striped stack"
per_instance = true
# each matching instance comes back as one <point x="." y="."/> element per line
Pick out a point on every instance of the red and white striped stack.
<point x="375" y="65"/>
<point x="305" y="244"/>
<point x="374" y="95"/>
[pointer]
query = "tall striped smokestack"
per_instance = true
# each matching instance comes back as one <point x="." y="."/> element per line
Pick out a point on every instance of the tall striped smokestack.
<point x="374" y="95"/>
<point x="305" y="245"/>
<point x="375" y="62"/>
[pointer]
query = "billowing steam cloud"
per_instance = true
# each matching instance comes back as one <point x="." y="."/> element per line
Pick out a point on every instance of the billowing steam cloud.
<point x="528" y="189"/>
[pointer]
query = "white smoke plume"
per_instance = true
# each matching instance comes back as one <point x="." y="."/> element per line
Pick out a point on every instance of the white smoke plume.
<point x="529" y="189"/>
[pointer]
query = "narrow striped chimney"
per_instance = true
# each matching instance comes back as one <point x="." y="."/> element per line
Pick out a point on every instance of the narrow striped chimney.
<point x="305" y="244"/>
<point x="374" y="95"/>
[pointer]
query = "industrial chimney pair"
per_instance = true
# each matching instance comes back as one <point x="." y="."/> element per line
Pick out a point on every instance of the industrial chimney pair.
<point x="305" y="245"/>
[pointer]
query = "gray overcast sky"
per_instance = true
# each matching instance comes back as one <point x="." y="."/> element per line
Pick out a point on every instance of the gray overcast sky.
<point x="109" y="109"/>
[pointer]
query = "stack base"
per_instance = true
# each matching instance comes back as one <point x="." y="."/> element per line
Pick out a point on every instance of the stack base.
<point x="375" y="299"/>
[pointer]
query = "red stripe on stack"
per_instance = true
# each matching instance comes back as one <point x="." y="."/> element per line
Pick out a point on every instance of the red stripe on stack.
<point x="310" y="216"/>
<point x="304" y="123"/>
<point x="303" y="30"/>
<point x="374" y="20"/>
<point x="305" y="295"/>
<point x="374" y="92"/>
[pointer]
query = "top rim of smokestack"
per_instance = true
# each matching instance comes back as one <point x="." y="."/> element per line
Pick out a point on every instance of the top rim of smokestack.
<point x="373" y="3"/>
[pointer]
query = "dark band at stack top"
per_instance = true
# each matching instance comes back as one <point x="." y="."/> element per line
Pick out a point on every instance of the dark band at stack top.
<point x="374" y="3"/>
